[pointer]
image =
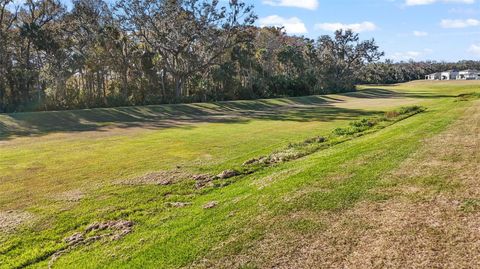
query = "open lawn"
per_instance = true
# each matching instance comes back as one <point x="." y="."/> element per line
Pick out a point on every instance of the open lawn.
<point x="403" y="195"/>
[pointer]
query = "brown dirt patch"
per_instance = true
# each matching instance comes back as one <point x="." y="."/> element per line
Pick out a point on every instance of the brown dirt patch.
<point x="210" y="205"/>
<point x="158" y="178"/>
<point x="206" y="180"/>
<point x="228" y="174"/>
<point x="10" y="220"/>
<point x="203" y="180"/>
<point x="70" y="196"/>
<point x="178" y="204"/>
<point x="113" y="230"/>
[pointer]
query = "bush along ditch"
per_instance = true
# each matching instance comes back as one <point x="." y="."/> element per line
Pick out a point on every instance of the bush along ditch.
<point x="309" y="146"/>
<point x="468" y="96"/>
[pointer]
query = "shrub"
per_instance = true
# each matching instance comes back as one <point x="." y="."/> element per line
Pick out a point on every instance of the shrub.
<point x="468" y="96"/>
<point x="391" y="114"/>
<point x="318" y="139"/>
<point x="410" y="109"/>
<point x="403" y="111"/>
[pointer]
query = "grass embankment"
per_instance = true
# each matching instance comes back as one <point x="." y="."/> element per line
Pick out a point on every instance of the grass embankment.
<point x="64" y="183"/>
<point x="309" y="146"/>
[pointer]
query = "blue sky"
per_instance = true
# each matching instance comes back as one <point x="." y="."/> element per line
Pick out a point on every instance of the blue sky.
<point x="405" y="29"/>
<point x="442" y="30"/>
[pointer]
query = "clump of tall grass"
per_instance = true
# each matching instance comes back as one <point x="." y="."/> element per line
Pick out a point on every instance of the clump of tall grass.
<point x="365" y="124"/>
<point x="356" y="127"/>
<point x="468" y="96"/>
<point x="408" y="110"/>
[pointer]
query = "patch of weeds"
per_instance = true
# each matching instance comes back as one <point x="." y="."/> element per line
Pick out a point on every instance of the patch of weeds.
<point x="391" y="114"/>
<point x="357" y="127"/>
<point x="468" y="96"/>
<point x="403" y="112"/>
<point x="470" y="205"/>
<point x="438" y="183"/>
<point x="304" y="225"/>
<point x="220" y="180"/>
<point x="410" y="109"/>
<point x="112" y="230"/>
<point x="317" y="139"/>
<point x="248" y="266"/>
<point x="455" y="157"/>
<point x="380" y="196"/>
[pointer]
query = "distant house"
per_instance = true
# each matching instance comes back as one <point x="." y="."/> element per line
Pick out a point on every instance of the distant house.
<point x="434" y="76"/>
<point x="449" y="75"/>
<point x="470" y="74"/>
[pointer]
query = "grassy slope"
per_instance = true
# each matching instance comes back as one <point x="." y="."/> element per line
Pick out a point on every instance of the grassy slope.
<point x="158" y="138"/>
<point x="34" y="169"/>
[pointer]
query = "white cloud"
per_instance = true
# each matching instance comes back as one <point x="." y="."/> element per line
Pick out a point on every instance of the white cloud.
<point x="459" y="23"/>
<point x="407" y="55"/>
<point x="419" y="33"/>
<point x="474" y="49"/>
<point x="307" y="4"/>
<point x="356" y="27"/>
<point x="410" y="55"/>
<point x="464" y="11"/>
<point x="419" y="2"/>
<point x="429" y="2"/>
<point x="292" y="25"/>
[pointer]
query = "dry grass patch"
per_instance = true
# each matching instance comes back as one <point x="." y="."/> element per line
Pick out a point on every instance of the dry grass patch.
<point x="447" y="161"/>
<point x="70" y="196"/>
<point x="10" y="220"/>
<point x="112" y="230"/>
<point x="395" y="234"/>
<point x="158" y="178"/>
<point x="274" y="177"/>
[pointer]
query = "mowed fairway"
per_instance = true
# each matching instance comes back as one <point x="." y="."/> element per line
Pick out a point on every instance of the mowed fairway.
<point x="363" y="203"/>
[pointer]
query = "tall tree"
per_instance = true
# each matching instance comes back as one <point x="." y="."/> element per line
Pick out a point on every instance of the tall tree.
<point x="187" y="36"/>
<point x="342" y="57"/>
<point x="36" y="37"/>
<point x="7" y="20"/>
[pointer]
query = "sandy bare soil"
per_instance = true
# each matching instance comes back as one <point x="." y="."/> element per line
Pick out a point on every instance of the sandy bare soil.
<point x="9" y="220"/>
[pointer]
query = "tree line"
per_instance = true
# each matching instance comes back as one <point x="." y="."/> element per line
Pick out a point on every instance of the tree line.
<point x="389" y="72"/>
<point x="138" y="52"/>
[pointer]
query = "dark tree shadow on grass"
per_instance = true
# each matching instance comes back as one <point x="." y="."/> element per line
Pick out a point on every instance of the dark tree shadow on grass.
<point x="300" y="109"/>
<point x="383" y="93"/>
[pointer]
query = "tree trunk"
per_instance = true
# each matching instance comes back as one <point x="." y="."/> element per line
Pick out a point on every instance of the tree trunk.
<point x="178" y="86"/>
<point x="164" y="90"/>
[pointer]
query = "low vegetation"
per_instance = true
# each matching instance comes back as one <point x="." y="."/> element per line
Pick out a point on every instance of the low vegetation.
<point x="468" y="96"/>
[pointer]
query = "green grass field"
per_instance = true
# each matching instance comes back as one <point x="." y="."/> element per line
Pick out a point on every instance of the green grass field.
<point x="63" y="171"/>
